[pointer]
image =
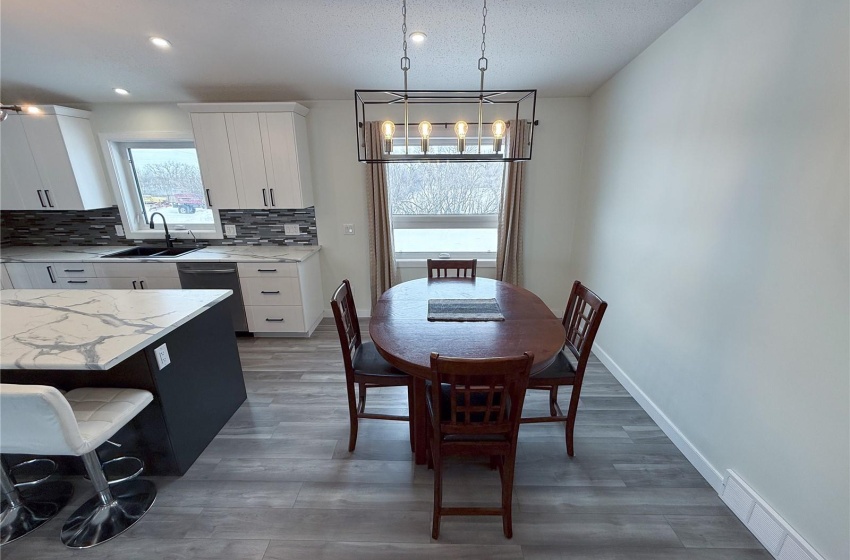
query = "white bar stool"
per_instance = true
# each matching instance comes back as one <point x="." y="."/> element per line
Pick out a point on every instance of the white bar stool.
<point x="40" y="420"/>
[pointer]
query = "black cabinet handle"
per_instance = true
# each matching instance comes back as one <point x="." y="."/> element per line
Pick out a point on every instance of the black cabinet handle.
<point x="43" y="205"/>
<point x="75" y="270"/>
<point x="142" y="284"/>
<point x="271" y="191"/>
<point x="274" y="320"/>
<point x="134" y="285"/>
<point x="209" y="201"/>
<point x="47" y="196"/>
<point x="50" y="273"/>
<point x="266" y="270"/>
<point x="265" y="292"/>
<point x="78" y="281"/>
<point x="265" y="202"/>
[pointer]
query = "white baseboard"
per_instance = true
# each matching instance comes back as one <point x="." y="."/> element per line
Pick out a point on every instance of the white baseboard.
<point x="777" y="536"/>
<point x="706" y="469"/>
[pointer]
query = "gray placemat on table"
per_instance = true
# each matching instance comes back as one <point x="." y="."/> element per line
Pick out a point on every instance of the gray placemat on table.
<point x="464" y="310"/>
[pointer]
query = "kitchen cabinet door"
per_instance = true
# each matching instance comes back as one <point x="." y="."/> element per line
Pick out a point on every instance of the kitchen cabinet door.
<point x="213" y="147"/>
<point x="287" y="160"/>
<point x="118" y="283"/>
<point x="20" y="183"/>
<point x="5" y="279"/>
<point x="42" y="275"/>
<point x="249" y="167"/>
<point x="159" y="283"/>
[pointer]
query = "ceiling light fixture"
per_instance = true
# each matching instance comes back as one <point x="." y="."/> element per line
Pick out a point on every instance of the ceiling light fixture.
<point x="32" y="109"/>
<point x="160" y="42"/>
<point x="5" y="109"/>
<point x="121" y="91"/>
<point x="477" y="109"/>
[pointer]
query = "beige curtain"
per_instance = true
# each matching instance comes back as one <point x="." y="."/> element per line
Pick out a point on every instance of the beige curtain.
<point x="381" y="251"/>
<point x="509" y="251"/>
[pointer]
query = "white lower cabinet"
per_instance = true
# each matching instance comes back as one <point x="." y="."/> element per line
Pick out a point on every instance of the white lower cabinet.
<point x="282" y="298"/>
<point x="138" y="276"/>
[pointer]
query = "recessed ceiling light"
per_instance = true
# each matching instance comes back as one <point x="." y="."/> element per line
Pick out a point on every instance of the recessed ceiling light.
<point x="417" y="37"/>
<point x="160" y="42"/>
<point x="121" y="91"/>
<point x="32" y="109"/>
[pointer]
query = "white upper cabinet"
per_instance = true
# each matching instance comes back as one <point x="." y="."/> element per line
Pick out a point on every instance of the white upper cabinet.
<point x="213" y="150"/>
<point x="253" y="155"/>
<point x="50" y="161"/>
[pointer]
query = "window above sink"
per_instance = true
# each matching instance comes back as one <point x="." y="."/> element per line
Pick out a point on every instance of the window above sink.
<point x="159" y="172"/>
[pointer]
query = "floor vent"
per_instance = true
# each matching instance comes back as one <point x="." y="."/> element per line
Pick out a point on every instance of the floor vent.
<point x="768" y="527"/>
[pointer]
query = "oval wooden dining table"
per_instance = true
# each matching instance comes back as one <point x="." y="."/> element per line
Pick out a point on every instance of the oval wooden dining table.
<point x="404" y="336"/>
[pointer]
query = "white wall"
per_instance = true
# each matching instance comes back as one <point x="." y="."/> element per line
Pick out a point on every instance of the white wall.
<point x="715" y="223"/>
<point x="551" y="188"/>
<point x="339" y="183"/>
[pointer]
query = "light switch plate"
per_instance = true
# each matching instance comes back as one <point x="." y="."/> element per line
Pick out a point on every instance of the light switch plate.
<point x="119" y="230"/>
<point x="348" y="229"/>
<point x="291" y="229"/>
<point x="230" y="230"/>
<point x="162" y="358"/>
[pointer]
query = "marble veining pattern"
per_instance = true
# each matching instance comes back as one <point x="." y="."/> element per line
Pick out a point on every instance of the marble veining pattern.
<point x="209" y="254"/>
<point x="90" y="329"/>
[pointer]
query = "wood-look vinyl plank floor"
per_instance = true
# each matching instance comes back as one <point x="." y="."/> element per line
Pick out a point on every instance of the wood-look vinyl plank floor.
<point x="278" y="483"/>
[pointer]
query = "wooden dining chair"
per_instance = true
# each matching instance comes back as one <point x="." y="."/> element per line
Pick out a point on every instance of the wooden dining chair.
<point x="582" y="318"/>
<point x="474" y="407"/>
<point x="364" y="366"/>
<point x="463" y="268"/>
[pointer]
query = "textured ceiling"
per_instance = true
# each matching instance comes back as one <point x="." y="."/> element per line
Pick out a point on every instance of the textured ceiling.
<point x="62" y="51"/>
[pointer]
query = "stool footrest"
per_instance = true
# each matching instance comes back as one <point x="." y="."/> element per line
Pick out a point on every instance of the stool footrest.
<point x="114" y="470"/>
<point x="36" y="465"/>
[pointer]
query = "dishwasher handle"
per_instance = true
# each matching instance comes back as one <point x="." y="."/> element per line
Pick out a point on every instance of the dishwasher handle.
<point x="210" y="271"/>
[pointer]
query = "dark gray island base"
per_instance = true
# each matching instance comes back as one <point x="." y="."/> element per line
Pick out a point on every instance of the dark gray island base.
<point x="194" y="395"/>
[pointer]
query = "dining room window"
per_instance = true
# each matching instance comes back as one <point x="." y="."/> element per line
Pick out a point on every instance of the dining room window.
<point x="445" y="207"/>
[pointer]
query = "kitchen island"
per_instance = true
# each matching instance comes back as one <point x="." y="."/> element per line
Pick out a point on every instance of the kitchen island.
<point x="111" y="338"/>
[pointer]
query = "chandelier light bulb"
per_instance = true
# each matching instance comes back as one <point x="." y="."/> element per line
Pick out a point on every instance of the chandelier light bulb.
<point x="499" y="128"/>
<point x="425" y="134"/>
<point x="387" y="130"/>
<point x="32" y="109"/>
<point x="461" y="128"/>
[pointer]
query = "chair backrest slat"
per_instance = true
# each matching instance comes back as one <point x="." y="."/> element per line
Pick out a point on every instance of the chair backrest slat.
<point x="581" y="321"/>
<point x="347" y="324"/>
<point x="485" y="396"/>
<point x="463" y="268"/>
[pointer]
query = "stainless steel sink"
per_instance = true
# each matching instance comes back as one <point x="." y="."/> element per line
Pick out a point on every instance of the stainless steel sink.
<point x="148" y="252"/>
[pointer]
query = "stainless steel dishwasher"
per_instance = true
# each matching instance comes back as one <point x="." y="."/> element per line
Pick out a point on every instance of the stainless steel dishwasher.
<point x="216" y="276"/>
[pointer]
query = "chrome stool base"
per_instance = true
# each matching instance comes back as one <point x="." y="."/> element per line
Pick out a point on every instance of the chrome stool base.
<point x="39" y="504"/>
<point x="95" y="522"/>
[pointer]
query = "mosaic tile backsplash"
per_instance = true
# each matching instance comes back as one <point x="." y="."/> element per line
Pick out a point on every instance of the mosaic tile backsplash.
<point x="97" y="227"/>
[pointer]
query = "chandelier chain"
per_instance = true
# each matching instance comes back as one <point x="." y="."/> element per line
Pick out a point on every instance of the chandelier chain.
<point x="405" y="62"/>
<point x="484" y="29"/>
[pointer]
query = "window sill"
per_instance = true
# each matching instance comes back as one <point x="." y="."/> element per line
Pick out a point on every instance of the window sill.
<point x="422" y="263"/>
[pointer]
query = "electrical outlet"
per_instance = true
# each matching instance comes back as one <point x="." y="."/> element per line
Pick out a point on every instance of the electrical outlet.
<point x="119" y="230"/>
<point x="162" y="358"/>
<point x="348" y="229"/>
<point x="230" y="230"/>
<point x="291" y="229"/>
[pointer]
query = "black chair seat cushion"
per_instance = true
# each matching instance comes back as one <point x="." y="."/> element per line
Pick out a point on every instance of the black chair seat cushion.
<point x="560" y="369"/>
<point x="368" y="361"/>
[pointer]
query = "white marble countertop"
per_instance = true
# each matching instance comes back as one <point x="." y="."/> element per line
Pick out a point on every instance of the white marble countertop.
<point x="91" y="329"/>
<point x="213" y="253"/>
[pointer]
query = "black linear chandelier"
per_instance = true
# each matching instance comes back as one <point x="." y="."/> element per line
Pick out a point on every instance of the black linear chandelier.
<point x="490" y="113"/>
